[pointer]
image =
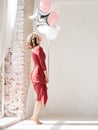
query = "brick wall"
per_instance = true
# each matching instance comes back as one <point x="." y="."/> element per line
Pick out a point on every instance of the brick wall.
<point x="17" y="63"/>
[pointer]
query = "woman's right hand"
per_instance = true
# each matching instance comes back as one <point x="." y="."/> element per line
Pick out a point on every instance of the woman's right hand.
<point x="46" y="78"/>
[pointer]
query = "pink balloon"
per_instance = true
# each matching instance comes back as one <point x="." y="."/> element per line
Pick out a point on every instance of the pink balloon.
<point x="45" y="5"/>
<point x="52" y="18"/>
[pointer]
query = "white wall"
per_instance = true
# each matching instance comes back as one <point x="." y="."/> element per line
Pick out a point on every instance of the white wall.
<point x="73" y="87"/>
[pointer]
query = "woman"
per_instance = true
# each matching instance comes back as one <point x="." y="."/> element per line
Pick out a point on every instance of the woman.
<point x="38" y="75"/>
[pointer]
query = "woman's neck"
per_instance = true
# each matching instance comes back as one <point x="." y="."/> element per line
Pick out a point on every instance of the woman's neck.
<point x="34" y="49"/>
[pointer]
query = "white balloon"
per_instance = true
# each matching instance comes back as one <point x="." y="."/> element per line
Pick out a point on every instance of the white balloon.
<point x="52" y="33"/>
<point x="43" y="29"/>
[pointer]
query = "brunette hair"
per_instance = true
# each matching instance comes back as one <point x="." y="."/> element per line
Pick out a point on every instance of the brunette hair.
<point x="33" y="40"/>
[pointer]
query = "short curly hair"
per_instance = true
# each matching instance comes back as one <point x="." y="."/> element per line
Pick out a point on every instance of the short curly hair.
<point x="33" y="40"/>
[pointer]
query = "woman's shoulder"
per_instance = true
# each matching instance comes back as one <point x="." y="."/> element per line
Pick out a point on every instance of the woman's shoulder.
<point x="39" y="48"/>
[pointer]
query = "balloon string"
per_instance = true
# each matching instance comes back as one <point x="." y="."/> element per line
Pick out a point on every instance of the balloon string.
<point x="46" y="45"/>
<point x="48" y="55"/>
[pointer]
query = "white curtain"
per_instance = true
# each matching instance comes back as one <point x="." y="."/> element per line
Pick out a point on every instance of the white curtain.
<point x="8" y="9"/>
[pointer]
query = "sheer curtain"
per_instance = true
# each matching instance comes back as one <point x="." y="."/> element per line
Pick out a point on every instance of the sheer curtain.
<point x="8" y="9"/>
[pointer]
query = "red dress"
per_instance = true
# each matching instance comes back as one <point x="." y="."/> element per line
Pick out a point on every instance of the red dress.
<point x="37" y="74"/>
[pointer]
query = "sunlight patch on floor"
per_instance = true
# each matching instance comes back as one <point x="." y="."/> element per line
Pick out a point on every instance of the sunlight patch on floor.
<point x="6" y="121"/>
<point x="30" y="125"/>
<point x="82" y="122"/>
<point x="79" y="127"/>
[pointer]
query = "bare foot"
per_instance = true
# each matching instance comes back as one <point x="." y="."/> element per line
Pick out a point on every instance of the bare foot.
<point x="37" y="122"/>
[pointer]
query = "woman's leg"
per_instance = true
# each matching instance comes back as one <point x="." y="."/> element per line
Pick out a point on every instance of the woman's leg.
<point x="37" y="108"/>
<point x="41" y="91"/>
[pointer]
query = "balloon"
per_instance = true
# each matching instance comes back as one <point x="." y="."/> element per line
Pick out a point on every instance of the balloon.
<point x="43" y="13"/>
<point x="43" y="29"/>
<point x="52" y="33"/>
<point x="45" y="5"/>
<point x="39" y="18"/>
<point x="52" y="18"/>
<point x="45" y="20"/>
